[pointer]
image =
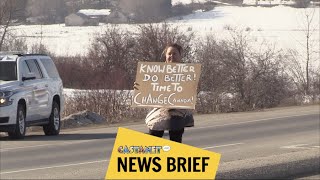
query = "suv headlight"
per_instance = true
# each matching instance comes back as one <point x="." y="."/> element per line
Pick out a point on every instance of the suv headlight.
<point x="5" y="98"/>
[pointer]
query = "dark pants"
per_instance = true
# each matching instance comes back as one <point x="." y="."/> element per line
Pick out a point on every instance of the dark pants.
<point x="175" y="135"/>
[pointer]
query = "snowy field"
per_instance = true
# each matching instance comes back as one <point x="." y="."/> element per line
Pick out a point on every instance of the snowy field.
<point x="280" y="25"/>
<point x="186" y="1"/>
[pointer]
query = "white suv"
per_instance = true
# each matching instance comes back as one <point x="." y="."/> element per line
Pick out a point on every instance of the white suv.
<point x="30" y="94"/>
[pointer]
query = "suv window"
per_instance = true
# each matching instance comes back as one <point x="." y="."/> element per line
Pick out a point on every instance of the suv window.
<point x="50" y="67"/>
<point x="34" y="68"/>
<point x="8" y="71"/>
<point x="25" y="69"/>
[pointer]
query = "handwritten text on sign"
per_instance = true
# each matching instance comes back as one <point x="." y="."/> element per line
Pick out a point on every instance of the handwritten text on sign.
<point x="166" y="85"/>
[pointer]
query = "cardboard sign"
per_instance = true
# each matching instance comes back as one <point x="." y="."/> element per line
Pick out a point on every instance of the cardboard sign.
<point x="138" y="155"/>
<point x="169" y="85"/>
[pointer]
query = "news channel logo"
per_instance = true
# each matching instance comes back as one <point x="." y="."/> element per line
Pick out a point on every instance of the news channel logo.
<point x="143" y="149"/>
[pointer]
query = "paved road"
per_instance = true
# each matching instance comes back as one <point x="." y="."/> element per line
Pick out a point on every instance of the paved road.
<point x="84" y="154"/>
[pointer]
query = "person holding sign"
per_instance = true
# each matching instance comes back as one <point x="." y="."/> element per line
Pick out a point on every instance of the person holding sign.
<point x="175" y="120"/>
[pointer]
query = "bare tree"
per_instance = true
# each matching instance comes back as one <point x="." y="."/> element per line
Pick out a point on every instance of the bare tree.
<point x="213" y="83"/>
<point x="302" y="60"/>
<point x="152" y="39"/>
<point x="233" y="57"/>
<point x="267" y="78"/>
<point x="40" y="48"/>
<point x="8" y="40"/>
<point x="113" y="54"/>
<point x="237" y="77"/>
<point x="6" y="11"/>
<point x="308" y="33"/>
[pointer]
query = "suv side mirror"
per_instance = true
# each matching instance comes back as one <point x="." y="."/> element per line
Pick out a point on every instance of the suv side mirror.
<point x="29" y="76"/>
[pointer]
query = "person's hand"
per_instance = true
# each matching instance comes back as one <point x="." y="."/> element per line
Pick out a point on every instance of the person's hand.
<point x="136" y="85"/>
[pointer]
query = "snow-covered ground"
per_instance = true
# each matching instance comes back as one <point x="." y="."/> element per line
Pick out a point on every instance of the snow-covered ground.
<point x="174" y="2"/>
<point x="95" y="12"/>
<point x="280" y="25"/>
<point x="186" y="1"/>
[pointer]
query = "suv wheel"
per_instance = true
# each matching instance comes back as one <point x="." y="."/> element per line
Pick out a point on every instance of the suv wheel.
<point x="53" y="128"/>
<point x="20" y="127"/>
